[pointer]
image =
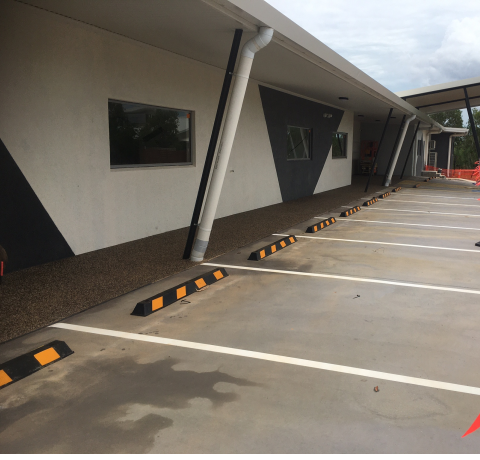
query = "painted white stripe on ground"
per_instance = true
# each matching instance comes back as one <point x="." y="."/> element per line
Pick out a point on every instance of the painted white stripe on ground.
<point x="437" y="196"/>
<point x="275" y="358"/>
<point x="349" y="278"/>
<point x="403" y="223"/>
<point x="430" y="202"/>
<point x="383" y="242"/>
<point x="420" y="212"/>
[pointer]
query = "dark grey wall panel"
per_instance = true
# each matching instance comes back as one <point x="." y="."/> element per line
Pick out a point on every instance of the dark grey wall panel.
<point x="441" y="147"/>
<point x="298" y="178"/>
<point x="27" y="232"/>
<point x="373" y="132"/>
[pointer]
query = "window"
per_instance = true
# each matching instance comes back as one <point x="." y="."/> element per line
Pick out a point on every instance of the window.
<point x="298" y="143"/>
<point x="339" y="145"/>
<point x="146" y="135"/>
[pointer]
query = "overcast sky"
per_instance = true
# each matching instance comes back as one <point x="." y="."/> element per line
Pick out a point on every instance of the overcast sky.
<point x="403" y="45"/>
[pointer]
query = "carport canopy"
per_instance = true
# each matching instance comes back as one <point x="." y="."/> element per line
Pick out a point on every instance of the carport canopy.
<point x="445" y="96"/>
<point x="295" y="61"/>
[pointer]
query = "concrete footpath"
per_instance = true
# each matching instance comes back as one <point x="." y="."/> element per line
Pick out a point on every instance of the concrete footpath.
<point x="284" y="354"/>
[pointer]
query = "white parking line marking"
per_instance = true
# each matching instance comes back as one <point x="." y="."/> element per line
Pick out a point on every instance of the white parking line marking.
<point x="383" y="242"/>
<point x="438" y="196"/>
<point x="403" y="223"/>
<point x="420" y="212"/>
<point x="349" y="278"/>
<point x="430" y="202"/>
<point x="275" y="358"/>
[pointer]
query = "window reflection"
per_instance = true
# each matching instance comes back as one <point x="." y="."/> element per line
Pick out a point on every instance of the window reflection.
<point x="339" y="145"/>
<point x="298" y="143"/>
<point x="147" y="135"/>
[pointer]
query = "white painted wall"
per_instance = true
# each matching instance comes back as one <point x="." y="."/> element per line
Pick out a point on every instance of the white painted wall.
<point x="337" y="172"/>
<point x="56" y="78"/>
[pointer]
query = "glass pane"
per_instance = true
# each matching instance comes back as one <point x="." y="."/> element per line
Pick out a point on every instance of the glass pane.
<point x="339" y="145"/>
<point x="143" y="134"/>
<point x="298" y="143"/>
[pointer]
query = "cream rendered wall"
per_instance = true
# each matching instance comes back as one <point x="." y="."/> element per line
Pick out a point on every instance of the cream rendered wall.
<point x="254" y="178"/>
<point x="338" y="172"/>
<point x="56" y="78"/>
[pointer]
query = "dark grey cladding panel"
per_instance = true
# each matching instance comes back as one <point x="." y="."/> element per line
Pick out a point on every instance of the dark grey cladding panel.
<point x="441" y="147"/>
<point x="298" y="178"/>
<point x="27" y="232"/>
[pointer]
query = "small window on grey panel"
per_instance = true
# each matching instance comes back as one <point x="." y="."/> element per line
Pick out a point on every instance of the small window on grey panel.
<point x="144" y="135"/>
<point x="298" y="143"/>
<point x="339" y="145"/>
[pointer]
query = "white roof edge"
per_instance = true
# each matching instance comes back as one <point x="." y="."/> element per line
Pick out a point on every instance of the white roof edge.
<point x="324" y="56"/>
<point x="455" y="130"/>
<point x="440" y="87"/>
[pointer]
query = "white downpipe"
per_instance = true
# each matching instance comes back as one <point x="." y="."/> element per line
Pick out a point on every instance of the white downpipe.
<point x="399" y="147"/>
<point x="450" y="142"/>
<point x="247" y="54"/>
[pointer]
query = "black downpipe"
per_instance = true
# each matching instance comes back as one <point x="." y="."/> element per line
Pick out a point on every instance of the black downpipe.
<point x="410" y="150"/>
<point x="378" y="150"/>
<point x="393" y="151"/>
<point x="472" y="123"/>
<point x="213" y="142"/>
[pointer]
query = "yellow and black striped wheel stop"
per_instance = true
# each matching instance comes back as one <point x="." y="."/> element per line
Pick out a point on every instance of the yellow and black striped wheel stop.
<point x="397" y="189"/>
<point x="266" y="251"/>
<point x="370" y="202"/>
<point x="166" y="298"/>
<point x="384" y="195"/>
<point x="24" y="365"/>
<point x="320" y="225"/>
<point x="350" y="211"/>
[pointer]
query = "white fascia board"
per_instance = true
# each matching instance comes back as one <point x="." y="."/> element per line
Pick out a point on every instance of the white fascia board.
<point x="459" y="131"/>
<point x="292" y="37"/>
<point x="440" y="87"/>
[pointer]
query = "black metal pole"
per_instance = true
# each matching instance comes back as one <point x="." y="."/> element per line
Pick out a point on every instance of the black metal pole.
<point x="472" y="123"/>
<point x="394" y="149"/>
<point x="410" y="149"/>
<point x="378" y="150"/>
<point x="213" y="142"/>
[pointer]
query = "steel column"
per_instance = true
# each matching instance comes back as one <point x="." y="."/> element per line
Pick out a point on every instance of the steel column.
<point x="410" y="150"/>
<point x="472" y="122"/>
<point x="393" y="150"/>
<point x="378" y="150"/>
<point x="213" y="142"/>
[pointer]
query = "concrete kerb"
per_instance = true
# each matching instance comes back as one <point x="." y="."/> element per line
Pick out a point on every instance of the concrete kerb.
<point x="169" y="296"/>
<point x="22" y="366"/>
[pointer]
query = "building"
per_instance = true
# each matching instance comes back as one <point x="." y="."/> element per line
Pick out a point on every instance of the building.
<point x="108" y="109"/>
<point x="460" y="94"/>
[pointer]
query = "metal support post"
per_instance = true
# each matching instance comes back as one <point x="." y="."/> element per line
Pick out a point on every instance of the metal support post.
<point x="410" y="149"/>
<point x="397" y="151"/>
<point x="378" y="150"/>
<point x="242" y="75"/>
<point x="393" y="150"/>
<point x="227" y="80"/>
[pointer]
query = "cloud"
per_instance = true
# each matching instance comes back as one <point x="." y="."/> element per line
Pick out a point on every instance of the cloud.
<point x="458" y="56"/>
<point x="403" y="45"/>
